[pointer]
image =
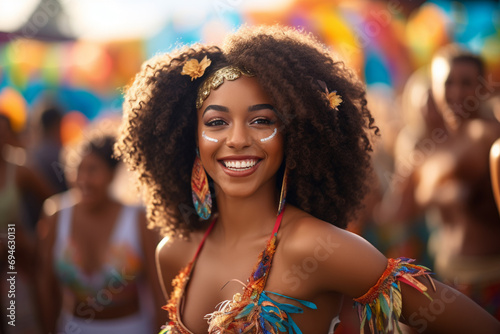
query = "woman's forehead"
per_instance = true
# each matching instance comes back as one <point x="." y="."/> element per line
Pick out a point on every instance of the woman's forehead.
<point x="242" y="92"/>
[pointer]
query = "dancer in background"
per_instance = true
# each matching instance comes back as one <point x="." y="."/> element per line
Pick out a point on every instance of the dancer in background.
<point x="96" y="258"/>
<point x="451" y="181"/>
<point x="44" y="157"/>
<point x="16" y="182"/>
<point x="45" y="153"/>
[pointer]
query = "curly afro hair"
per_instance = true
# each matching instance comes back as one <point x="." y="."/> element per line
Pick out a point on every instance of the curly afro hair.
<point x="327" y="150"/>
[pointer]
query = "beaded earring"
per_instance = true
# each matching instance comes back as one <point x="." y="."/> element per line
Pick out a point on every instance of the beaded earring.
<point x="202" y="199"/>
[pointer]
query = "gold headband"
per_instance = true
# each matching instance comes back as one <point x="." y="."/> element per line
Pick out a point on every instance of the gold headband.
<point x="216" y="79"/>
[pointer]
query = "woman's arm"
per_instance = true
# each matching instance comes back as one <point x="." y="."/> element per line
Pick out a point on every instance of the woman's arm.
<point x="495" y="171"/>
<point x="161" y="266"/>
<point x="150" y="240"/>
<point x="449" y="311"/>
<point x="172" y="254"/>
<point x="48" y="294"/>
<point x="354" y="267"/>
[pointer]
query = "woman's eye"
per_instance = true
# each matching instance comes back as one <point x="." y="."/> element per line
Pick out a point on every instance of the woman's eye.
<point x="264" y="121"/>
<point x="215" y="122"/>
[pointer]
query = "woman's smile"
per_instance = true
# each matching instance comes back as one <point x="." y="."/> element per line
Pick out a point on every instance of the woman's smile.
<point x="239" y="166"/>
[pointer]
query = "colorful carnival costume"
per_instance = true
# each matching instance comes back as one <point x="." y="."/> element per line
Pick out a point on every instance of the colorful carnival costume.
<point x="117" y="281"/>
<point x="254" y="311"/>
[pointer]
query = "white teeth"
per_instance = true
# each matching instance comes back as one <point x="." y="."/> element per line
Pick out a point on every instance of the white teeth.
<point x="239" y="164"/>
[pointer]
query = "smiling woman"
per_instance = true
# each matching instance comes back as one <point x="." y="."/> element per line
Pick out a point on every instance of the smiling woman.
<point x="96" y="257"/>
<point x="239" y="114"/>
<point x="271" y="117"/>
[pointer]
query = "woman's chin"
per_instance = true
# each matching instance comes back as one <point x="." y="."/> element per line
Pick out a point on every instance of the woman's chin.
<point x="91" y="200"/>
<point x="235" y="192"/>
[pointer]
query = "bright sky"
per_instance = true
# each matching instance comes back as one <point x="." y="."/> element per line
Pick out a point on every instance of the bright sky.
<point x="115" y="19"/>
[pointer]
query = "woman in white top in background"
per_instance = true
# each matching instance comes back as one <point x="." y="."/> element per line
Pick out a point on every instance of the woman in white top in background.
<point x="95" y="256"/>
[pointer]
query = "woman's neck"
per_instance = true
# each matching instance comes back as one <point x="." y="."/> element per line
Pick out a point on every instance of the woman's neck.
<point x="246" y="218"/>
<point x="98" y="207"/>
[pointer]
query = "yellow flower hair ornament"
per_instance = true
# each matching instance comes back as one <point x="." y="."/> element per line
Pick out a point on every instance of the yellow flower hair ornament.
<point x="333" y="98"/>
<point x="196" y="69"/>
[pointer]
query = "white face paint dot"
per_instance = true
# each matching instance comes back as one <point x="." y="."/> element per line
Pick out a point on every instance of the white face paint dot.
<point x="271" y="136"/>
<point x="209" y="138"/>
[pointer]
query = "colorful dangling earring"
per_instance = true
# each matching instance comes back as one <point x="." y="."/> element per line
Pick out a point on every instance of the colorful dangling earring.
<point x="283" y="192"/>
<point x="202" y="199"/>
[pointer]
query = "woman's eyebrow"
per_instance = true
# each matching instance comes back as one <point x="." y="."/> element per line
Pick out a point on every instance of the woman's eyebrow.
<point x="260" y="107"/>
<point x="215" y="107"/>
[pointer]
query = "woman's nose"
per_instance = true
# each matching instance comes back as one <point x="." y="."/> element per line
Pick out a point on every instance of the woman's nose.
<point x="238" y="137"/>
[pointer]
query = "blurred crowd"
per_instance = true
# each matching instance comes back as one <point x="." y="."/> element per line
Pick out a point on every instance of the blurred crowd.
<point x="84" y="256"/>
<point x="437" y="172"/>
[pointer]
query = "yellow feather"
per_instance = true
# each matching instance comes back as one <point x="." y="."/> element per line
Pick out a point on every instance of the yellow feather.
<point x="398" y="301"/>
<point x="414" y="281"/>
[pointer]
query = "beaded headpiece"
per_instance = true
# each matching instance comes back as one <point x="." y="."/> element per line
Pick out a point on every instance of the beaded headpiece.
<point x="196" y="69"/>
<point x="217" y="78"/>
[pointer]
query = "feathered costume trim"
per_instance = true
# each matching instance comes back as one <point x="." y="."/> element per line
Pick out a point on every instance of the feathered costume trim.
<point x="178" y="284"/>
<point x="381" y="306"/>
<point x="253" y="311"/>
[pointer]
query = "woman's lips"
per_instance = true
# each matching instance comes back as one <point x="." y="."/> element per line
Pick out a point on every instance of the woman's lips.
<point x="240" y="167"/>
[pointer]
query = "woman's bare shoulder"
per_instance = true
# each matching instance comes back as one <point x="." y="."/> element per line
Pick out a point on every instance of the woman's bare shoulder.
<point x="301" y="231"/>
<point x="176" y="252"/>
<point x="173" y="254"/>
<point x="344" y="261"/>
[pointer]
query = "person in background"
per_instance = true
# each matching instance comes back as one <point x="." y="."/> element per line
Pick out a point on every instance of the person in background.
<point x="45" y="153"/>
<point x="16" y="181"/>
<point x="44" y="157"/>
<point x="451" y="181"/>
<point x="96" y="257"/>
<point x="397" y="212"/>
